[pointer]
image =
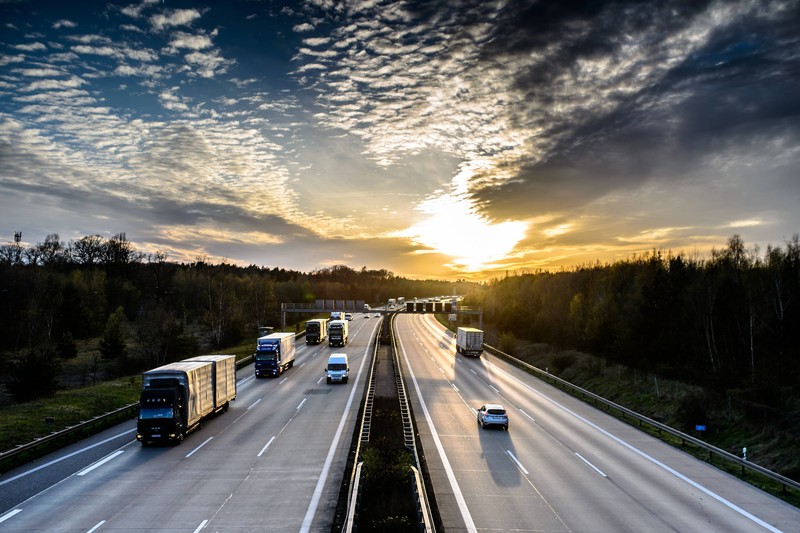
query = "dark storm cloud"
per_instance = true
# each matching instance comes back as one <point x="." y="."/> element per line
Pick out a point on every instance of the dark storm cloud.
<point x="737" y="89"/>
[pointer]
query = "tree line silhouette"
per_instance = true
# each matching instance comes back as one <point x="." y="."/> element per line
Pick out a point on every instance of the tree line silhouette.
<point x="728" y="321"/>
<point x="147" y="310"/>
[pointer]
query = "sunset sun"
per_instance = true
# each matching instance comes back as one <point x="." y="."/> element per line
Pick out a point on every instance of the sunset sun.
<point x="451" y="227"/>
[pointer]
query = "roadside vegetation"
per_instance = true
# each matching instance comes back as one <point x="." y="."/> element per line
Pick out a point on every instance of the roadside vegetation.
<point x="686" y="341"/>
<point x="83" y="319"/>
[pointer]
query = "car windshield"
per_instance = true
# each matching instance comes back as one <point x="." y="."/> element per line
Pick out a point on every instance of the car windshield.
<point x="148" y="413"/>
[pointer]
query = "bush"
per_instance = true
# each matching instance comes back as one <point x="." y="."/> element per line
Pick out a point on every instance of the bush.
<point x="66" y="346"/>
<point x="34" y="375"/>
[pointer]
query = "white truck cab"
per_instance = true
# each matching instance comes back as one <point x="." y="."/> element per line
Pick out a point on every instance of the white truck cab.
<point x="338" y="369"/>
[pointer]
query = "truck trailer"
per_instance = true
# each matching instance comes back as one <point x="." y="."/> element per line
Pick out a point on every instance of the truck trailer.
<point x="223" y="373"/>
<point x="338" y="333"/>
<point x="175" y="400"/>
<point x="274" y="354"/>
<point x="469" y="341"/>
<point x="316" y="330"/>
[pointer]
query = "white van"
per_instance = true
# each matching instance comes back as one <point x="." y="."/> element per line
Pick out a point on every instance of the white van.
<point x="338" y="369"/>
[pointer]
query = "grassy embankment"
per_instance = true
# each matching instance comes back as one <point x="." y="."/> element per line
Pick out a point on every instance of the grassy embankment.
<point x="79" y="401"/>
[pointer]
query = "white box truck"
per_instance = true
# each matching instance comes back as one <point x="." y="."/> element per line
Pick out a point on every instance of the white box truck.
<point x="223" y="375"/>
<point x="469" y="342"/>
<point x="274" y="354"/>
<point x="316" y="330"/>
<point x="338" y="333"/>
<point x="175" y="399"/>
<point x="338" y="369"/>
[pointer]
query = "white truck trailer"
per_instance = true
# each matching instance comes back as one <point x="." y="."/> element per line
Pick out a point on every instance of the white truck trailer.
<point x="175" y="399"/>
<point x="338" y="333"/>
<point x="316" y="330"/>
<point x="274" y="354"/>
<point x="223" y="373"/>
<point x="469" y="342"/>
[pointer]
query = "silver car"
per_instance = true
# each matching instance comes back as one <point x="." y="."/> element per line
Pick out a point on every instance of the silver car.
<point x="492" y="414"/>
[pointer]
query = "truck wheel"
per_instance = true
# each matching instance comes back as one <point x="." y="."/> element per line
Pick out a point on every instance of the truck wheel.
<point x="225" y="407"/>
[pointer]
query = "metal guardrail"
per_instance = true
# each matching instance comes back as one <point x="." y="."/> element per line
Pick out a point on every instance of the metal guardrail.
<point x="366" y="421"/>
<point x="69" y="434"/>
<point x="409" y="440"/>
<point x="421" y="501"/>
<point x="712" y="450"/>
<point x="85" y="429"/>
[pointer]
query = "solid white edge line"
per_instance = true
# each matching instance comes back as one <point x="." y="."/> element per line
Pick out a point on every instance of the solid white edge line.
<point x="265" y="447"/>
<point x="96" y="526"/>
<point x="451" y="477"/>
<point x="32" y="470"/>
<point x="516" y="461"/>
<point x="582" y="458"/>
<point x="314" y="503"/>
<point x="653" y="460"/>
<point x="99" y="463"/>
<point x="203" y="444"/>
<point x="201" y="526"/>
<point x="9" y="514"/>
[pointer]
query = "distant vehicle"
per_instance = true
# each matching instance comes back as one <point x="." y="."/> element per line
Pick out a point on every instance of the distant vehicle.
<point x="377" y="315"/>
<point x="338" y="333"/>
<point x="469" y="342"/>
<point x="348" y="316"/>
<point x="337" y="315"/>
<point x="338" y="369"/>
<point x="392" y="301"/>
<point x="367" y="307"/>
<point x="401" y="300"/>
<point x="492" y="414"/>
<point x="177" y="397"/>
<point x="316" y="330"/>
<point x="274" y="354"/>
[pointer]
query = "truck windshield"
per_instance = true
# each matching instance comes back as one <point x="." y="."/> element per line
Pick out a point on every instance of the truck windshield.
<point x="312" y="327"/>
<point x="263" y="356"/>
<point x="337" y="366"/>
<point x="148" y="413"/>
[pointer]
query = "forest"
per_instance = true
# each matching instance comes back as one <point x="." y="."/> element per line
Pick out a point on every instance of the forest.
<point x="148" y="311"/>
<point x="729" y="321"/>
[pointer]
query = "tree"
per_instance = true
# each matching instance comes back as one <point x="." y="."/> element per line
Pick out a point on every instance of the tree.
<point x="34" y="375"/>
<point x="66" y="346"/>
<point x="113" y="344"/>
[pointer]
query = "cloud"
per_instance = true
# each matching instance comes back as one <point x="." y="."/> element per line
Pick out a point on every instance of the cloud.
<point x="64" y="23"/>
<point x="183" y="40"/>
<point x="174" y="17"/>
<point x="30" y="47"/>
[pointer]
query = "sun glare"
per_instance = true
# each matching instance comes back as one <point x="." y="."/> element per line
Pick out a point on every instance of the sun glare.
<point x="451" y="227"/>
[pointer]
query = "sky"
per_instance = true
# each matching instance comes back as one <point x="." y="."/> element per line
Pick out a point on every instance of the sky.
<point x="435" y="139"/>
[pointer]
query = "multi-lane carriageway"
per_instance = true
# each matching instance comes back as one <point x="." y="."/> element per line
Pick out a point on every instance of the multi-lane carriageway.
<point x="275" y="461"/>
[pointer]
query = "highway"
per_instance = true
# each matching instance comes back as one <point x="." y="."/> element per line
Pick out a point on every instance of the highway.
<point x="563" y="465"/>
<point x="273" y="462"/>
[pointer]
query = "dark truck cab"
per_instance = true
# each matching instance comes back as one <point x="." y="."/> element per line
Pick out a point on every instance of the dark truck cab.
<point x="161" y="413"/>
